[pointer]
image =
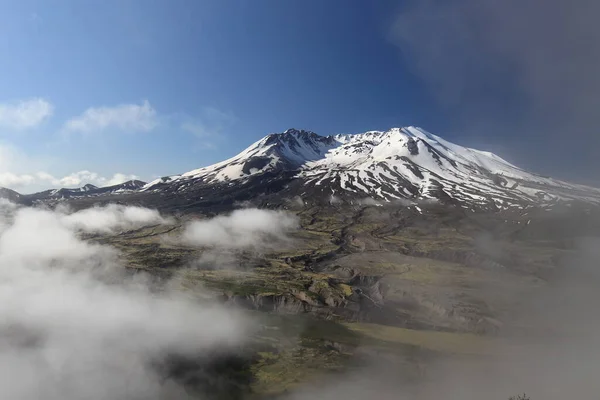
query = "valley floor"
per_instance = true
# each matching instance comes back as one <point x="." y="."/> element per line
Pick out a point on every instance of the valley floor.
<point x="366" y="291"/>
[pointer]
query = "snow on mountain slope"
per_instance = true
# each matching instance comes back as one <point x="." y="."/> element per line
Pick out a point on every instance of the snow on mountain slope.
<point x="399" y="163"/>
<point x="288" y="150"/>
<point x="164" y="179"/>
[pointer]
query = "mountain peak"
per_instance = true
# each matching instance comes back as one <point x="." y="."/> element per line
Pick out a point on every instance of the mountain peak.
<point x="292" y="136"/>
<point x="400" y="163"/>
<point x="130" y="184"/>
<point x="9" y="194"/>
<point x="299" y="132"/>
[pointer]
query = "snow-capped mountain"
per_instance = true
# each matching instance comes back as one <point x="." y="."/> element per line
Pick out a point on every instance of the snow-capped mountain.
<point x="402" y="163"/>
<point x="88" y="190"/>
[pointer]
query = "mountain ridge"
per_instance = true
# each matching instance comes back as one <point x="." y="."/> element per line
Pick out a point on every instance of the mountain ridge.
<point x="87" y="190"/>
<point x="406" y="163"/>
<point x="401" y="163"/>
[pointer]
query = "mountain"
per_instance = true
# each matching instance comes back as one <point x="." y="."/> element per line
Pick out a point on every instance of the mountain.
<point x="10" y="195"/>
<point x="402" y="163"/>
<point x="81" y="192"/>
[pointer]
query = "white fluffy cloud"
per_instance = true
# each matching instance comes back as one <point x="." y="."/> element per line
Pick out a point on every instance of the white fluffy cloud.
<point x="120" y="178"/>
<point x="20" y="171"/>
<point x="75" y="179"/>
<point x="110" y="218"/>
<point x="25" y="114"/>
<point x="75" y="325"/>
<point x="9" y="179"/>
<point x="123" y="117"/>
<point x="247" y="228"/>
<point x="80" y="178"/>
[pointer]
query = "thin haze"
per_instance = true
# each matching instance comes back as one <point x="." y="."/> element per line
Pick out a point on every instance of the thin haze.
<point x="550" y="350"/>
<point x="519" y="74"/>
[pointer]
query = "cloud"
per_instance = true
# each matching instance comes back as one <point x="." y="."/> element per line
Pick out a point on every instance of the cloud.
<point x="110" y="218"/>
<point x="71" y="180"/>
<point x="9" y="179"/>
<point x="77" y="326"/>
<point x="369" y="201"/>
<point x="75" y="179"/>
<point x="522" y="74"/>
<point x="196" y="128"/>
<point x="209" y="125"/>
<point x="120" y="178"/>
<point x="242" y="229"/>
<point x="14" y="167"/>
<point x="10" y="156"/>
<point x="123" y="118"/>
<point x="210" y="122"/>
<point x="25" y="114"/>
<point x="17" y="170"/>
<point x="80" y="178"/>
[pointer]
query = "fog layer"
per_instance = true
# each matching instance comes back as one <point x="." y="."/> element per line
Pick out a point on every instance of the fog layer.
<point x="75" y="327"/>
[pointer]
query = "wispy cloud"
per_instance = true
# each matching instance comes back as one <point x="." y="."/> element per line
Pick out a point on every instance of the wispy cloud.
<point x="10" y="156"/>
<point x="209" y="125"/>
<point x="25" y="114"/>
<point x="123" y="117"/>
<point x="16" y="167"/>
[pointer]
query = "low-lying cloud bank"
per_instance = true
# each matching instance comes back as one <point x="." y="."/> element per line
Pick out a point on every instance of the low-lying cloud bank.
<point x="41" y="180"/>
<point x="242" y="229"/>
<point x="111" y="218"/>
<point x="75" y="327"/>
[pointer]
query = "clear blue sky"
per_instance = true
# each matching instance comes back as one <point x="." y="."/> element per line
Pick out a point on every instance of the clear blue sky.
<point x="151" y="87"/>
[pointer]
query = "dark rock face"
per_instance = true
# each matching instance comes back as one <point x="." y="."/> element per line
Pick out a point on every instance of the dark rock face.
<point x="499" y="180"/>
<point x="255" y="163"/>
<point x="413" y="148"/>
<point x="10" y="195"/>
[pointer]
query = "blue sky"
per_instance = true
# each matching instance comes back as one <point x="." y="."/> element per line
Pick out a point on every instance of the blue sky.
<point x="148" y="88"/>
